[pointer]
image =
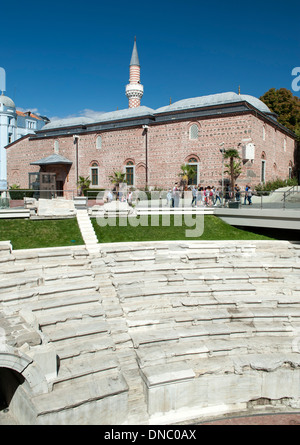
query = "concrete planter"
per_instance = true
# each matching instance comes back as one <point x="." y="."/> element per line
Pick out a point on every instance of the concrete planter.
<point x="234" y="204"/>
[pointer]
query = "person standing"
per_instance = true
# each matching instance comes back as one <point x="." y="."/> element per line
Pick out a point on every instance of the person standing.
<point x="169" y="198"/>
<point x="194" y="195"/>
<point x="237" y="192"/>
<point x="246" y="194"/>
<point x="175" y="195"/>
<point x="249" y="195"/>
<point x="217" y="197"/>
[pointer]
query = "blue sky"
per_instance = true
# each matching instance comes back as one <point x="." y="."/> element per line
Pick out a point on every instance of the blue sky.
<point x="67" y="58"/>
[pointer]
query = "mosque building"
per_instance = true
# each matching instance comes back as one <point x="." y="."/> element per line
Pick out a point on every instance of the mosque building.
<point x="150" y="145"/>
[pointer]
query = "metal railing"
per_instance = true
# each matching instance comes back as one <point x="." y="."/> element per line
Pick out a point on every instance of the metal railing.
<point x="277" y="199"/>
<point x="162" y="198"/>
<point x="20" y="194"/>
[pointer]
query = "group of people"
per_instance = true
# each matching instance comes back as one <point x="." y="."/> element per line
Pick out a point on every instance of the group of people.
<point x="208" y="196"/>
<point x="205" y="196"/>
<point x="120" y="195"/>
<point x="201" y="196"/>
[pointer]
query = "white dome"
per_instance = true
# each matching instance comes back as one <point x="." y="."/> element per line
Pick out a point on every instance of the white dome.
<point x="7" y="101"/>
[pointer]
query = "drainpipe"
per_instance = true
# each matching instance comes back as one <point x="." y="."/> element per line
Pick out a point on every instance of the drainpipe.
<point x="145" y="127"/>
<point x="75" y="141"/>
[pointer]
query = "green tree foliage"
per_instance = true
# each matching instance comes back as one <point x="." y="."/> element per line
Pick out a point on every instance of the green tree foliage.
<point x="187" y="173"/>
<point x="83" y="184"/>
<point x="234" y="167"/>
<point x="117" y="178"/>
<point x="286" y="106"/>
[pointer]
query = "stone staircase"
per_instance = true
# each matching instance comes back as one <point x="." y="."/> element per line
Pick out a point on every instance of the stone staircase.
<point x="157" y="332"/>
<point x="87" y="231"/>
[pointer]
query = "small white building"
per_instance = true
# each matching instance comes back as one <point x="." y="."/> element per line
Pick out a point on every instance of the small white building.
<point x="14" y="124"/>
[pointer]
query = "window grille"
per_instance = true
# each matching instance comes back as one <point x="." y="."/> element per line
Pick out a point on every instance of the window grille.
<point x="194" y="131"/>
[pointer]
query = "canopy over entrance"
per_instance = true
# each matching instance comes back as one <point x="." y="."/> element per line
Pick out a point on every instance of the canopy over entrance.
<point x="52" y="177"/>
<point x="52" y="160"/>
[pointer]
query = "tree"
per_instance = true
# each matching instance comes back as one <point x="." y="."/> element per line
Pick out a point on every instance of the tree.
<point x="234" y="167"/>
<point x="117" y="178"/>
<point x="187" y="173"/>
<point x="83" y="184"/>
<point x="286" y="106"/>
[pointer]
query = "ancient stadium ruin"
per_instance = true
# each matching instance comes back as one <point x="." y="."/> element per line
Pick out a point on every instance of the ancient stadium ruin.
<point x="149" y="333"/>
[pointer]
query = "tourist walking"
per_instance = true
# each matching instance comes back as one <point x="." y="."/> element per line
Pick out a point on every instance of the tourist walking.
<point x="246" y="194"/>
<point x="194" y="196"/>
<point x="237" y="192"/>
<point x="217" y="197"/>
<point x="169" y="198"/>
<point x="175" y="195"/>
<point x="249" y="195"/>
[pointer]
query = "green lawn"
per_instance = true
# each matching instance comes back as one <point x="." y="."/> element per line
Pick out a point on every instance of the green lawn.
<point x="214" y="229"/>
<point x="29" y="234"/>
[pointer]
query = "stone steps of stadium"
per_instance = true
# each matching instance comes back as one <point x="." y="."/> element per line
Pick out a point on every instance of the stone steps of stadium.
<point x="140" y="319"/>
<point x="89" y="395"/>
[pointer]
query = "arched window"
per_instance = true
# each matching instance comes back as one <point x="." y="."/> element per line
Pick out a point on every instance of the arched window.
<point x="290" y="169"/>
<point x="94" y="174"/>
<point x="129" y="170"/>
<point x="99" y="142"/>
<point x="194" y="131"/>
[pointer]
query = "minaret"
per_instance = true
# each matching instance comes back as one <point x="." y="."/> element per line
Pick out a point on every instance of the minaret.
<point x="134" y="90"/>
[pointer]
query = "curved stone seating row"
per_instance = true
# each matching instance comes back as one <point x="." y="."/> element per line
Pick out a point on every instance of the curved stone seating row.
<point x="153" y="332"/>
<point x="208" y="304"/>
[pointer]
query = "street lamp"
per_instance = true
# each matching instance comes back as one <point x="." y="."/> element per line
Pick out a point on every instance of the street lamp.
<point x="222" y="150"/>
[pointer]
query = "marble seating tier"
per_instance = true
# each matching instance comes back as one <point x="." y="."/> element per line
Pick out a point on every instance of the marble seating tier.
<point x="159" y="332"/>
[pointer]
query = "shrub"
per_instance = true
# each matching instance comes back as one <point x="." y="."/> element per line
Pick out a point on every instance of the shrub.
<point x="274" y="185"/>
<point x="20" y="194"/>
<point x="93" y="193"/>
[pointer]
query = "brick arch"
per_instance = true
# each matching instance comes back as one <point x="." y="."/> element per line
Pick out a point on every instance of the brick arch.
<point x="194" y="123"/>
<point x="263" y="155"/>
<point x="129" y="160"/>
<point x="94" y="162"/>
<point x="140" y="170"/>
<point x="187" y="159"/>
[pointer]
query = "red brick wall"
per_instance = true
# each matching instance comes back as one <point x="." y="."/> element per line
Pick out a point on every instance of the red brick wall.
<point x="169" y="146"/>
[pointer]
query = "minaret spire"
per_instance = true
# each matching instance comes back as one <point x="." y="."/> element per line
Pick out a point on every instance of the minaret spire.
<point x="134" y="90"/>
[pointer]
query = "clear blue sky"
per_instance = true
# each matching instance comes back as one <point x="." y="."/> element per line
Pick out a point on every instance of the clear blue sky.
<point x="64" y="58"/>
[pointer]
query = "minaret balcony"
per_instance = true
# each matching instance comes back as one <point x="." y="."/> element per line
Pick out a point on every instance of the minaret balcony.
<point x="136" y="90"/>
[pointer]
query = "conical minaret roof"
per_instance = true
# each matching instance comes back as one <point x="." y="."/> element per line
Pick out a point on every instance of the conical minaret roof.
<point x="134" y="57"/>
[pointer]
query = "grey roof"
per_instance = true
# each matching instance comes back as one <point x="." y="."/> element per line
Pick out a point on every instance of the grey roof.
<point x="134" y="57"/>
<point x="68" y="122"/>
<point x="214" y="99"/>
<point x="143" y="111"/>
<point x="127" y="113"/>
<point x="52" y="159"/>
<point x="257" y="103"/>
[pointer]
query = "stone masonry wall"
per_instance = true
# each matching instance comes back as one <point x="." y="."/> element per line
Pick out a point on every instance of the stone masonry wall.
<point x="169" y="146"/>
